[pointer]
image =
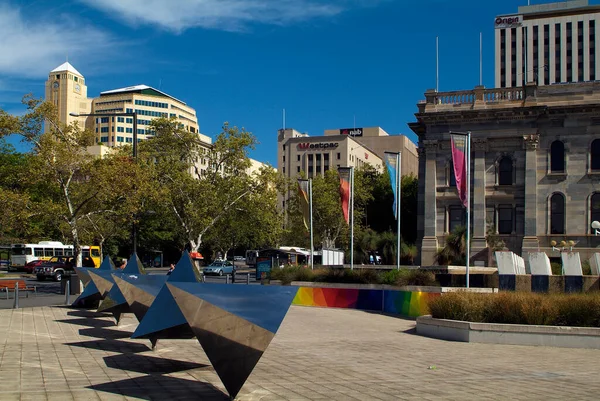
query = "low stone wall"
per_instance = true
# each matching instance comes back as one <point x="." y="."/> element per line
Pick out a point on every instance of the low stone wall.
<point x="410" y="301"/>
<point x="515" y="334"/>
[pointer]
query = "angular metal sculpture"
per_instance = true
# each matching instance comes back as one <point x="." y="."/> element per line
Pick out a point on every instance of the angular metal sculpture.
<point x="91" y="295"/>
<point x="164" y="319"/>
<point x="233" y="323"/>
<point x="114" y="301"/>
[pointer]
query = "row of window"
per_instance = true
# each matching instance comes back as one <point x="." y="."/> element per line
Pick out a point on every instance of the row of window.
<point x="505" y="216"/>
<point x="148" y="113"/>
<point x="105" y="139"/>
<point x="113" y="102"/>
<point x="505" y="174"/>
<point x="152" y="104"/>
<point x="558" y="160"/>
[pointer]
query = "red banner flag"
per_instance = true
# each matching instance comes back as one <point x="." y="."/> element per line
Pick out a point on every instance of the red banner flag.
<point x="344" y="173"/>
<point x="459" y="160"/>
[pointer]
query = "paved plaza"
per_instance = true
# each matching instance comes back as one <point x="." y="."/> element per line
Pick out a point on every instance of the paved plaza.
<point x="59" y="353"/>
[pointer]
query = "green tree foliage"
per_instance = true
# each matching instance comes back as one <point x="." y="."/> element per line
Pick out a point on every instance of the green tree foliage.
<point x="72" y="186"/>
<point x="454" y="251"/>
<point x="209" y="191"/>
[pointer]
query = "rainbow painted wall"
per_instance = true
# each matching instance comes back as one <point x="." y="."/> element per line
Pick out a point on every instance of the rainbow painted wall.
<point x="405" y="303"/>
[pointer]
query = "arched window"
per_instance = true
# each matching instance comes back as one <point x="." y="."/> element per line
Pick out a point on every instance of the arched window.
<point x="557" y="157"/>
<point x="557" y="214"/>
<point x="595" y="155"/>
<point x="505" y="171"/>
<point x="451" y="176"/>
<point x="595" y="207"/>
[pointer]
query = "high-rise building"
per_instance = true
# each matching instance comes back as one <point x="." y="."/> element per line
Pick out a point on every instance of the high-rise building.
<point x="547" y="44"/>
<point x="66" y="89"/>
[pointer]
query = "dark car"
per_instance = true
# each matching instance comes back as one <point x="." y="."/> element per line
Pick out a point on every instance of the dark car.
<point x="55" y="268"/>
<point x="30" y="267"/>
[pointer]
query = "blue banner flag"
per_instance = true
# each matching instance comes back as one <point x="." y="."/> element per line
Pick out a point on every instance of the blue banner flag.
<point x="391" y="161"/>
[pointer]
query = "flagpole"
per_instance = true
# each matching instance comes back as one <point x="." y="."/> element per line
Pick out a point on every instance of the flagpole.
<point x="351" y="218"/>
<point x="468" y="239"/>
<point x="312" y="245"/>
<point x="398" y="190"/>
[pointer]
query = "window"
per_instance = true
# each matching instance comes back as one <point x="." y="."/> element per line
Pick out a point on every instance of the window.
<point x="456" y="217"/>
<point x="37" y="252"/>
<point x="284" y="158"/>
<point x="284" y="170"/>
<point x="298" y="157"/>
<point x="505" y="219"/>
<point x="104" y="139"/>
<point x="48" y="252"/>
<point x="451" y="176"/>
<point x="129" y="120"/>
<point x="129" y="130"/>
<point x="120" y="139"/>
<point x="557" y="157"/>
<point x="104" y="120"/>
<point x="103" y="129"/>
<point x="120" y="129"/>
<point x="595" y="207"/>
<point x="339" y="156"/>
<point x="505" y="171"/>
<point x="284" y="148"/>
<point x="298" y="169"/>
<point x="58" y="252"/>
<point x="557" y="214"/>
<point x="595" y="155"/>
<point x="120" y="119"/>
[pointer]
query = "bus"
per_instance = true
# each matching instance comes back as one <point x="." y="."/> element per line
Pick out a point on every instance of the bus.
<point x="21" y="254"/>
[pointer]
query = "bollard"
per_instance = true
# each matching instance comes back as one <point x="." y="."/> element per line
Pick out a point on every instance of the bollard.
<point x="67" y="291"/>
<point x="16" y="304"/>
<point x="227" y="279"/>
<point x="203" y="278"/>
<point x="248" y="278"/>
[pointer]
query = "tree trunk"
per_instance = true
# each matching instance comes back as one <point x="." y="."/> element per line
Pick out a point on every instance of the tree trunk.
<point x="76" y="245"/>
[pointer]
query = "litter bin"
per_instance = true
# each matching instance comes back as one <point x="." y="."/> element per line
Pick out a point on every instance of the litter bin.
<point x="74" y="284"/>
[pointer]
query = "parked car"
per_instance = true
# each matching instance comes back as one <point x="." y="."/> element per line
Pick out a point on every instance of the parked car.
<point x="55" y="268"/>
<point x="219" y="268"/>
<point x="30" y="267"/>
<point x="239" y="258"/>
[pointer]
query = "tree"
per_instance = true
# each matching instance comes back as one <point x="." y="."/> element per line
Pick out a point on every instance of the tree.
<point x="207" y="189"/>
<point x="454" y="250"/>
<point x="76" y="185"/>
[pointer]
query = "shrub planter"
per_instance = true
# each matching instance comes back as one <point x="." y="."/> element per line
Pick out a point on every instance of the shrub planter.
<point x="515" y="334"/>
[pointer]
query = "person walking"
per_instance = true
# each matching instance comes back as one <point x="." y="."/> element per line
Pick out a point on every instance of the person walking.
<point x="171" y="268"/>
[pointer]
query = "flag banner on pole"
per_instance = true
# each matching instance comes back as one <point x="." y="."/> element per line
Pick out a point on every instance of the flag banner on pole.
<point x="459" y="151"/>
<point x="344" y="173"/>
<point x="391" y="161"/>
<point x="303" y="198"/>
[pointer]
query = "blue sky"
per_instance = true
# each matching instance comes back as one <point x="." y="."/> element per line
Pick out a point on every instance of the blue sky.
<point x="244" y="61"/>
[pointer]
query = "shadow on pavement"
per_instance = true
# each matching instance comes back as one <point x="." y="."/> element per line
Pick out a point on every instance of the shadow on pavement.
<point x="87" y="313"/>
<point x="88" y="322"/>
<point x="112" y="346"/>
<point x="156" y="387"/>
<point x="105" y="334"/>
<point x="150" y="364"/>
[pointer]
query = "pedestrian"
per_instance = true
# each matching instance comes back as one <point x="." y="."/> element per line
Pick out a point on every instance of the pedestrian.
<point x="123" y="264"/>
<point x="171" y="268"/>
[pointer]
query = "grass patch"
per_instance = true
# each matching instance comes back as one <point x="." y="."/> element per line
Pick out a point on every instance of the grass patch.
<point x="581" y="310"/>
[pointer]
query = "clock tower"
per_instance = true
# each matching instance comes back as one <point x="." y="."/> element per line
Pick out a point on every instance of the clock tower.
<point x="66" y="89"/>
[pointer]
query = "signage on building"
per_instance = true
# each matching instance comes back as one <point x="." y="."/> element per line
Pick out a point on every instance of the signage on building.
<point x="512" y="21"/>
<point x="321" y="145"/>
<point x="351" y="131"/>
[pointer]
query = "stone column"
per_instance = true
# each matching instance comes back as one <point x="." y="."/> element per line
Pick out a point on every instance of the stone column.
<point x="530" y="239"/>
<point x="429" y="245"/>
<point x="479" y="242"/>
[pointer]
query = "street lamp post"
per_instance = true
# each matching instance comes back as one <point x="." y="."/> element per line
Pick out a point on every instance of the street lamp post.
<point x="135" y="153"/>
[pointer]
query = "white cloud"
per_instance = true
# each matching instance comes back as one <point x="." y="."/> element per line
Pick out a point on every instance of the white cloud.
<point x="228" y="15"/>
<point x="33" y="46"/>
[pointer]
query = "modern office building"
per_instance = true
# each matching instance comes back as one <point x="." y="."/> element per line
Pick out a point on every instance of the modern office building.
<point x="547" y="44"/>
<point x="353" y="147"/>
<point x="535" y="168"/>
<point x="67" y="90"/>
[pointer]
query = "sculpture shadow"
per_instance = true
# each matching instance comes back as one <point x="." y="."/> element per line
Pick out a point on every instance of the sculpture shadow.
<point x="157" y="387"/>
<point x="112" y="345"/>
<point x="87" y="313"/>
<point x="150" y="364"/>
<point x="90" y="322"/>
<point x="106" y="334"/>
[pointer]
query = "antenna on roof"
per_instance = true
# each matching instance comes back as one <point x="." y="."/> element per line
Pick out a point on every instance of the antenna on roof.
<point x="283" y="118"/>
<point x="437" y="63"/>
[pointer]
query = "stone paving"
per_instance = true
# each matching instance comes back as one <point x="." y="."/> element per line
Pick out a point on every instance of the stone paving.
<point x="59" y="353"/>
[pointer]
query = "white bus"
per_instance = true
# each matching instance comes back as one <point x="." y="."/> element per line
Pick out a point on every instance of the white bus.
<point x="21" y="254"/>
